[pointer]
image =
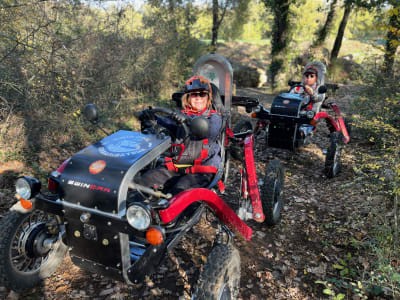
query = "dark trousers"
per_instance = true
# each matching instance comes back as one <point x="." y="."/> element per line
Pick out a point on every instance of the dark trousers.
<point x="173" y="182"/>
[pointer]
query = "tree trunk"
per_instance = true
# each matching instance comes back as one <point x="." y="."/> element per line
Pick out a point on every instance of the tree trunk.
<point x="172" y="22"/>
<point x="280" y="28"/>
<point x="324" y="31"/>
<point x="392" y="41"/>
<point x="280" y="36"/>
<point x="215" y="26"/>
<point x="340" y="33"/>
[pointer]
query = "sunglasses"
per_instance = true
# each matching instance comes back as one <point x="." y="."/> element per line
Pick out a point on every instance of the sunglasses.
<point x="309" y="75"/>
<point x="198" y="94"/>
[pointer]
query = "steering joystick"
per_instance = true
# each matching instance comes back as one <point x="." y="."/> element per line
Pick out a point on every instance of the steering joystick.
<point x="200" y="127"/>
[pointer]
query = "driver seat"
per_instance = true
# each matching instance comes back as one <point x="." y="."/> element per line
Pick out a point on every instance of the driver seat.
<point x="321" y="69"/>
<point x="217" y="104"/>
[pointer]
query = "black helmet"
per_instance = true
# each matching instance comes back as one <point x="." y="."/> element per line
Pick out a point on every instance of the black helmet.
<point x="198" y="83"/>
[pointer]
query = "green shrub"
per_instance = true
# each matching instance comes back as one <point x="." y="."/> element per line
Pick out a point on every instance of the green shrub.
<point x="378" y="124"/>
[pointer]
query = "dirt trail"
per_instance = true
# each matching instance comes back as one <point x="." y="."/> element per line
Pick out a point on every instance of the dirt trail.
<point x="281" y="262"/>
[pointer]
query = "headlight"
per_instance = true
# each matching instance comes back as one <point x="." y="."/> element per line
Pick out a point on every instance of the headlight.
<point x="138" y="216"/>
<point x="27" y="187"/>
<point x="310" y="114"/>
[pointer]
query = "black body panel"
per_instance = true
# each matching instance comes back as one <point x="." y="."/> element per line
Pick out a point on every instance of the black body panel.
<point x="91" y="266"/>
<point x="98" y="249"/>
<point x="282" y="134"/>
<point x="57" y="207"/>
<point x="282" y="131"/>
<point x="286" y="104"/>
<point x="118" y="152"/>
<point x="147" y="263"/>
<point x="92" y="179"/>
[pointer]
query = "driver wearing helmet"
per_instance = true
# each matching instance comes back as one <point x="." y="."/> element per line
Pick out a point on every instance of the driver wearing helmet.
<point x="198" y="159"/>
<point x="310" y="90"/>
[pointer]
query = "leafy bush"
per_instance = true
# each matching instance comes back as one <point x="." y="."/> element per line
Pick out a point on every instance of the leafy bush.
<point x="378" y="124"/>
<point x="57" y="57"/>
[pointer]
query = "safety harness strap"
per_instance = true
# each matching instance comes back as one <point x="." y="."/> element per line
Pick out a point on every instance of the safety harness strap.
<point x="221" y="186"/>
<point x="182" y="146"/>
<point x="203" y="154"/>
<point x="170" y="165"/>
<point x="229" y="134"/>
<point x="201" y="169"/>
<point x="197" y="165"/>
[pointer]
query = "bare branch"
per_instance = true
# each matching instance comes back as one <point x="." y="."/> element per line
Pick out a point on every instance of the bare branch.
<point x="18" y="43"/>
<point x="23" y="5"/>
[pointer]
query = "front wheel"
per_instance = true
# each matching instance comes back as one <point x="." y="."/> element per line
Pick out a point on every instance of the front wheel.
<point x="272" y="191"/>
<point x="333" y="155"/>
<point x="220" y="278"/>
<point x="31" y="248"/>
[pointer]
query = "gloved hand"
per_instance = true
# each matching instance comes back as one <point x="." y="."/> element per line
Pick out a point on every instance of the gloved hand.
<point x="308" y="89"/>
<point x="178" y="117"/>
<point x="147" y="115"/>
<point x="296" y="90"/>
<point x="147" y="119"/>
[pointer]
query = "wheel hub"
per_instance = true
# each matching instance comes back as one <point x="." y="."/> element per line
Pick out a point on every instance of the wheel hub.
<point x="34" y="241"/>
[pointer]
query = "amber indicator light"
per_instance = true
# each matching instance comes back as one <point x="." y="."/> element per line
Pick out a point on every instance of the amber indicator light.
<point x="154" y="236"/>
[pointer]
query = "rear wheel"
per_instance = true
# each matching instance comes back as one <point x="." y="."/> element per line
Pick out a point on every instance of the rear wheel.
<point x="272" y="191"/>
<point x="333" y="155"/>
<point x="220" y="278"/>
<point x="237" y="150"/>
<point x="31" y="248"/>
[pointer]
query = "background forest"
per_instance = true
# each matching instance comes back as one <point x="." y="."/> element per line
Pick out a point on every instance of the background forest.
<point x="57" y="56"/>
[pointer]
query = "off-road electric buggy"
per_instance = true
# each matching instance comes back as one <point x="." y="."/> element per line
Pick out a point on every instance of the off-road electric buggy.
<point x="92" y="211"/>
<point x="292" y="121"/>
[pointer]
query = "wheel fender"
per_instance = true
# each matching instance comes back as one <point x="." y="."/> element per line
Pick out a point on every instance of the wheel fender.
<point x="182" y="200"/>
<point x="344" y="130"/>
<point x="324" y="115"/>
<point x="341" y="127"/>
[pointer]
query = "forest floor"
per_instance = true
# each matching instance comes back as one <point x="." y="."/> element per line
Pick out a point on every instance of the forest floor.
<point x="319" y="218"/>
